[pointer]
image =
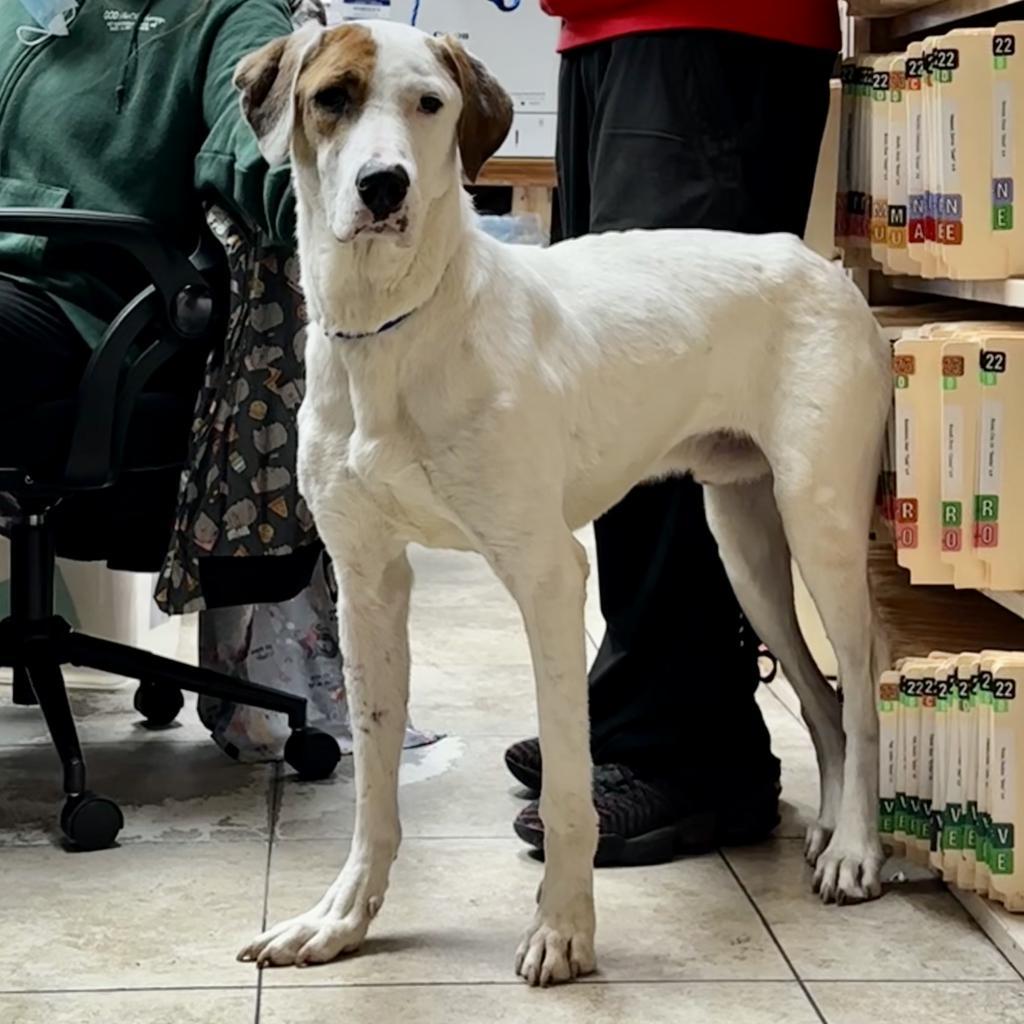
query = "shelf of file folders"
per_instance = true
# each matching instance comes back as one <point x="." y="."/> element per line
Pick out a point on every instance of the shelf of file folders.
<point x="932" y="155"/>
<point x="952" y="483"/>
<point x="951" y="790"/>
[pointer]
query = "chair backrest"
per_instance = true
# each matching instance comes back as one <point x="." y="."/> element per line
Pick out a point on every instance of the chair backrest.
<point x="173" y="321"/>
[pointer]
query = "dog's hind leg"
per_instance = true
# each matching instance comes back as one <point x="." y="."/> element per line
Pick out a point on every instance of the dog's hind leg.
<point x="745" y="521"/>
<point x="547" y="578"/>
<point x="374" y="583"/>
<point x="828" y="525"/>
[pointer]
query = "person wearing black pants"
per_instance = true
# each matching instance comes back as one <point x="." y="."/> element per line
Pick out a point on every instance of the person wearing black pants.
<point x="678" y="128"/>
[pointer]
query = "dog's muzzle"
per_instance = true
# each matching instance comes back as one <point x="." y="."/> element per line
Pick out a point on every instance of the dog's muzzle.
<point x="382" y="188"/>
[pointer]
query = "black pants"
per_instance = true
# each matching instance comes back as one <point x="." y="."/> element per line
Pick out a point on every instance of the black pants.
<point x="681" y="129"/>
<point x="43" y="356"/>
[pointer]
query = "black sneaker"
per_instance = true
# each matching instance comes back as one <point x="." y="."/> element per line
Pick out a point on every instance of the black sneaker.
<point x="523" y="760"/>
<point x="642" y="822"/>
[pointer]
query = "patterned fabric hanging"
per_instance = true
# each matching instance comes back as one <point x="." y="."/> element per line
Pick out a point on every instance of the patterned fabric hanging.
<point x="238" y="495"/>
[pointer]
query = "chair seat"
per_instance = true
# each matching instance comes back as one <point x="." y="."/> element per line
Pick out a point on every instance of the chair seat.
<point x="127" y="525"/>
<point x="38" y="440"/>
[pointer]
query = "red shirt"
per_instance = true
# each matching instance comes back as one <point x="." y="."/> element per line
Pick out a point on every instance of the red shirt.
<point x="804" y="22"/>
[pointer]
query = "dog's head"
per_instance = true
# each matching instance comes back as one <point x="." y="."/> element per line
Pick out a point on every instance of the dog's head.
<point x="377" y="118"/>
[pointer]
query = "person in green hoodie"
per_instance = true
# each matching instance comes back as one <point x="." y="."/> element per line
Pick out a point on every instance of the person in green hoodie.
<point x="127" y="106"/>
<point x="132" y="111"/>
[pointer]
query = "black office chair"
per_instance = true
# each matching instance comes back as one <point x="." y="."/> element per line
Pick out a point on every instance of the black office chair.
<point x="126" y="423"/>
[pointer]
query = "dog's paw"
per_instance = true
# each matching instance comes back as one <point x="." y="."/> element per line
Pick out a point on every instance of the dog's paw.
<point x="553" y="953"/>
<point x="815" y="842"/>
<point x="316" y="937"/>
<point x="849" y="872"/>
<point x="307" y="939"/>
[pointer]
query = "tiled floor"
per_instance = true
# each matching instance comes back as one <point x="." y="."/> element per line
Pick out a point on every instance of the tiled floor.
<point x="146" y="933"/>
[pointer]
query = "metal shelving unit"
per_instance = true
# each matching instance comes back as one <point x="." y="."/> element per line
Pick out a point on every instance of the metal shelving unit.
<point x="1005" y="929"/>
<point x="1001" y="293"/>
<point x="1011" y="600"/>
<point x="940" y="15"/>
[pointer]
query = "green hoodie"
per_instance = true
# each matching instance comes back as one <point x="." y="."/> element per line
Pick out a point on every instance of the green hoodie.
<point x="133" y="112"/>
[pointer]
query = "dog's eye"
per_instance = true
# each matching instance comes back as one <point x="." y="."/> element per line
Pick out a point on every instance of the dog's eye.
<point x="430" y="104"/>
<point x="334" y="98"/>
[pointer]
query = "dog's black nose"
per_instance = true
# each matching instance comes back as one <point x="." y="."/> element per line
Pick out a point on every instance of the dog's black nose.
<point x="382" y="188"/>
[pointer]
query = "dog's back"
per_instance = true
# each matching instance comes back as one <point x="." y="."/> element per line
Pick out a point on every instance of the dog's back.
<point x="753" y="332"/>
<point x="696" y="275"/>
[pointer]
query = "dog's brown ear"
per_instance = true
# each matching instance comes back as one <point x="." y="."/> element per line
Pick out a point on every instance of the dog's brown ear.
<point x="486" y="107"/>
<point x="266" y="80"/>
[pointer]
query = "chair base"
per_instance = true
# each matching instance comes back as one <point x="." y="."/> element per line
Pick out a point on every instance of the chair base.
<point x="36" y="644"/>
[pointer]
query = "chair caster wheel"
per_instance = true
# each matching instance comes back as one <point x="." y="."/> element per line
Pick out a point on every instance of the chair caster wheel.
<point x="91" y="822"/>
<point x="312" y="753"/>
<point x="158" y="704"/>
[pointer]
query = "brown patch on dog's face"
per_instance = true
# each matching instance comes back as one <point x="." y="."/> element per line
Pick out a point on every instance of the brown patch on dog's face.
<point x="486" y="108"/>
<point x="336" y="79"/>
<point x="372" y="114"/>
<point x="305" y="84"/>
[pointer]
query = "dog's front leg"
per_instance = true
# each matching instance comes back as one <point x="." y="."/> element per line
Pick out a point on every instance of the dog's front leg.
<point x="548" y="582"/>
<point x="373" y="611"/>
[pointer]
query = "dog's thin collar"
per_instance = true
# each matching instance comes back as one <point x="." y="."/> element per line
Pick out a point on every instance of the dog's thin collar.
<point x="342" y="336"/>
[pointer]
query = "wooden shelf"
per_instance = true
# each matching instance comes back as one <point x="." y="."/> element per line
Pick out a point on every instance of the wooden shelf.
<point x="1011" y="600"/>
<point x="940" y="15"/>
<point x="1006" y="930"/>
<point x="1000" y="293"/>
<point x="518" y="172"/>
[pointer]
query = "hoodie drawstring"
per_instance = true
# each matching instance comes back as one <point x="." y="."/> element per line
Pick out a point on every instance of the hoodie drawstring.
<point x="131" y="58"/>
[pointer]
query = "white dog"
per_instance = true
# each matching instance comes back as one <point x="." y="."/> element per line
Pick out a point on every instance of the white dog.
<point x="467" y="394"/>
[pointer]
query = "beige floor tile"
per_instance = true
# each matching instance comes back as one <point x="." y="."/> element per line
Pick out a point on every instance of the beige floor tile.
<point x="782" y="689"/>
<point x="101" y="716"/>
<point x="456" y="787"/>
<point x="798" y="805"/>
<point x="484" y="601"/>
<point x="791" y="744"/>
<point x="920" y="1003"/>
<point x="462" y="615"/>
<point x="474" y="700"/>
<point x="914" y="932"/>
<point x="586" y="537"/>
<point x="437" y="570"/>
<point x="150" y="915"/>
<point x="195" y="1006"/>
<point x="455" y="912"/>
<point x="460" y="787"/>
<point x="168" y="792"/>
<point x="459" y="587"/>
<point x="710" y="1003"/>
<point x="776" y="708"/>
<point x="444" y="637"/>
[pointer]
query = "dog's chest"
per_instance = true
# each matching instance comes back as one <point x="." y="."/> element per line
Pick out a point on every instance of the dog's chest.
<point x="384" y="477"/>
